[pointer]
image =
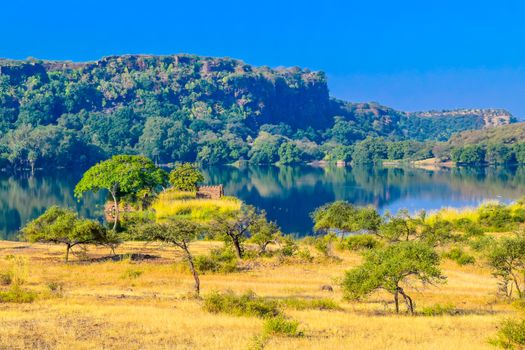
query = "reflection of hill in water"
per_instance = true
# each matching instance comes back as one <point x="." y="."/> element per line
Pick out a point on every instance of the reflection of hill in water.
<point x="289" y="194"/>
<point x="23" y="197"/>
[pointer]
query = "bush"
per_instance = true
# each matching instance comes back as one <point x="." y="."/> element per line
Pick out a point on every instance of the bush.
<point x="495" y="216"/>
<point x="468" y="227"/>
<point x="16" y="294"/>
<point x="359" y="242"/>
<point x="438" y="310"/>
<point x="310" y="304"/>
<point x="282" y="326"/>
<point x="247" y="304"/>
<point x="482" y="243"/>
<point x="219" y="260"/>
<point x="289" y="247"/>
<point x="511" y="335"/>
<point x="304" y="255"/>
<point x="6" y="278"/>
<point x="458" y="255"/>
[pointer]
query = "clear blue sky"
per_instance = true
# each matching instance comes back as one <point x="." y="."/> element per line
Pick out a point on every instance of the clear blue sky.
<point x="412" y="55"/>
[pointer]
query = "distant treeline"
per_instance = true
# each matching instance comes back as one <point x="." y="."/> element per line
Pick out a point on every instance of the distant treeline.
<point x="190" y="108"/>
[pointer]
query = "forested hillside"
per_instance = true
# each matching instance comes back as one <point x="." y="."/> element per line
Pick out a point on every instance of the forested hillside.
<point x="187" y="108"/>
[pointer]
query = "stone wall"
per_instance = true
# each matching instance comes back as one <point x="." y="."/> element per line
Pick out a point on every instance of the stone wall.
<point x="210" y="192"/>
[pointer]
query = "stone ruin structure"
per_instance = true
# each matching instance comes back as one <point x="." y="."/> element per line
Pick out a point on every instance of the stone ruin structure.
<point x="210" y="192"/>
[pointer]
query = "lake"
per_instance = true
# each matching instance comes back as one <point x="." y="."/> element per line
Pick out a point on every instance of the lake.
<point x="288" y="194"/>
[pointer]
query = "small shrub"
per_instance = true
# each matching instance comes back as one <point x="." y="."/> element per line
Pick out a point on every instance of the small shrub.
<point x="16" y="294"/>
<point x="360" y="242"/>
<point x="459" y="256"/>
<point x="132" y="273"/>
<point x="438" y="310"/>
<point x="56" y="288"/>
<point x="304" y="255"/>
<point x="6" y="279"/>
<point x="282" y="326"/>
<point x="481" y="243"/>
<point x="468" y="227"/>
<point x="289" y="247"/>
<point x="495" y="216"/>
<point x="220" y="260"/>
<point x="310" y="304"/>
<point x="511" y="335"/>
<point x="247" y="304"/>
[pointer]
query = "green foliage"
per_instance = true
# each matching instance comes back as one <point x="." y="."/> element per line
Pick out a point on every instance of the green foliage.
<point x="190" y="108"/>
<point x="389" y="267"/>
<point x="507" y="260"/>
<point x="495" y="216"/>
<point x="458" y="255"/>
<point x="63" y="226"/>
<point x="310" y="304"/>
<point x="282" y="326"/>
<point x="220" y="260"/>
<point x="185" y="177"/>
<point x="369" y="151"/>
<point x="17" y="294"/>
<point x="360" y="242"/>
<point x="123" y="176"/>
<point x="439" y="310"/>
<point x="511" y="335"/>
<point x="345" y="217"/>
<point x="247" y="304"/>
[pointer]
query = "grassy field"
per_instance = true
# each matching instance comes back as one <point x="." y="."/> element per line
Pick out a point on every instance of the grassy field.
<point x="146" y="304"/>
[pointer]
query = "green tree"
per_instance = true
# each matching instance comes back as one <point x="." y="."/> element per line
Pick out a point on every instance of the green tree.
<point x="63" y="226"/>
<point x="507" y="260"/>
<point x="185" y="177"/>
<point x="345" y="217"/>
<point x="235" y="229"/>
<point x="289" y="153"/>
<point x="122" y="176"/>
<point x="180" y="233"/>
<point x="264" y="232"/>
<point x="390" y="268"/>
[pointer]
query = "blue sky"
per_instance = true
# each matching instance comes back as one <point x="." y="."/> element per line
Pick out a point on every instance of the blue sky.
<point x="411" y="55"/>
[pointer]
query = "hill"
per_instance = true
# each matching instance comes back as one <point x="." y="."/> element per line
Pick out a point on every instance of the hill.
<point x="187" y="107"/>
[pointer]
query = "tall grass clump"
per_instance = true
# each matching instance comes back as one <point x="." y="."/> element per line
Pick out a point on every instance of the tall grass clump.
<point x="459" y="256"/>
<point x="220" y="260"/>
<point x="247" y="304"/>
<point x="177" y="204"/>
<point x="310" y="304"/>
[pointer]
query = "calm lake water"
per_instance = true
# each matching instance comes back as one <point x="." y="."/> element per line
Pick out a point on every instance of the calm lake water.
<point x="288" y="194"/>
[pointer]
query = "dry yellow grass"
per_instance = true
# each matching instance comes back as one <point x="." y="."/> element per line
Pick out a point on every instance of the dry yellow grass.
<point x="106" y="306"/>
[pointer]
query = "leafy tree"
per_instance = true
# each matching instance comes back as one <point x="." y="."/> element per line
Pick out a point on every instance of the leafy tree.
<point x="264" y="232"/>
<point x="122" y="176"/>
<point x="345" y="217"/>
<point x="180" y="233"/>
<point x="390" y="268"/>
<point x="507" y="260"/>
<point x="289" y="153"/>
<point x="369" y="151"/>
<point x="185" y="177"/>
<point x="63" y="226"/>
<point x="235" y="229"/>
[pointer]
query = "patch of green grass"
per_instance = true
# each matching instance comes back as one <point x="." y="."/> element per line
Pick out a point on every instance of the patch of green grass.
<point x="220" y="260"/>
<point x="439" y="310"/>
<point x="282" y="327"/>
<point x="247" y="304"/>
<point x="16" y="294"/>
<point x="458" y="255"/>
<point x="132" y="273"/>
<point x="310" y="304"/>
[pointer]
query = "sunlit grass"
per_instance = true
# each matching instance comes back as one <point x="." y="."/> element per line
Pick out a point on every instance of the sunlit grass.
<point x="185" y="205"/>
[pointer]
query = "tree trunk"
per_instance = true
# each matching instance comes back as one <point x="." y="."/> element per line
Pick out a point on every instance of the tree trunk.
<point x="68" y="247"/>
<point x="116" y="210"/>
<point x="237" y="245"/>
<point x="396" y="300"/>
<point x="408" y="300"/>
<point x="193" y="270"/>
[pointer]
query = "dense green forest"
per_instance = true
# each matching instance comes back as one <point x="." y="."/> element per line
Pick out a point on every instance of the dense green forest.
<point x="191" y="108"/>
<point x="501" y="145"/>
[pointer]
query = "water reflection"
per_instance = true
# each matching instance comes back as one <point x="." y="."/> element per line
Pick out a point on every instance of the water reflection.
<point x="288" y="194"/>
